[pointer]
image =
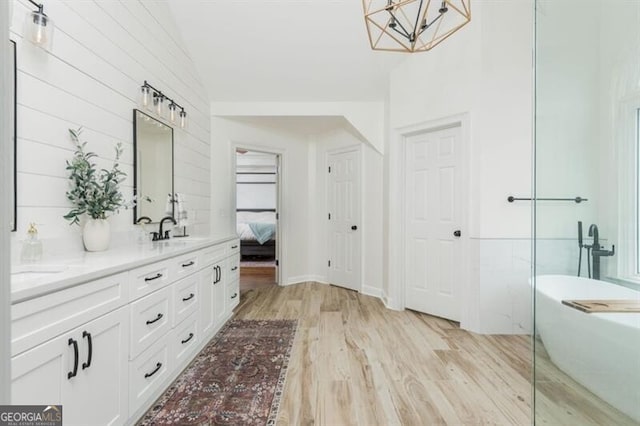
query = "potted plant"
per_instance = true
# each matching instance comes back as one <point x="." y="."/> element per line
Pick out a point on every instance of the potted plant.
<point x="94" y="192"/>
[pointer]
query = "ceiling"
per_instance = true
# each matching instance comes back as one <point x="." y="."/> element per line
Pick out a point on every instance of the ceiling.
<point x="283" y="50"/>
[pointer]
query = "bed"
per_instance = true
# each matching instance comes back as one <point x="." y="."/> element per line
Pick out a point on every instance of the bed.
<point x="256" y="230"/>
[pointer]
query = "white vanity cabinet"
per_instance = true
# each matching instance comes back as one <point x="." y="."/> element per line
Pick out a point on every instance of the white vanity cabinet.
<point x="85" y="370"/>
<point x="107" y="348"/>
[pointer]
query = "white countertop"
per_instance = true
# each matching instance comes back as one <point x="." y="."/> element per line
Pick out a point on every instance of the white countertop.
<point x="61" y="271"/>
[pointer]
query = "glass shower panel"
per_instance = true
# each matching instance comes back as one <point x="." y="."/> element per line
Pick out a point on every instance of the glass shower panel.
<point x="587" y="352"/>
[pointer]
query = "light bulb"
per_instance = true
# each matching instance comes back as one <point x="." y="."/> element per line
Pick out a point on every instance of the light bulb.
<point x="39" y="28"/>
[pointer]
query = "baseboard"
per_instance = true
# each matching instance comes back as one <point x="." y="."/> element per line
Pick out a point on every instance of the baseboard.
<point x="372" y="291"/>
<point x="307" y="278"/>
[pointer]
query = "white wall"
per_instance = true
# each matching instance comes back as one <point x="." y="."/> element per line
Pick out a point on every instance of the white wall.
<point x="619" y="96"/>
<point x="294" y="150"/>
<point x="5" y="191"/>
<point x="102" y="53"/>
<point x="304" y="213"/>
<point x="484" y="71"/>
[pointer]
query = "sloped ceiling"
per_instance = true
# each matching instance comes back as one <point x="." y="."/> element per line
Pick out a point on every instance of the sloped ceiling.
<point x="283" y="50"/>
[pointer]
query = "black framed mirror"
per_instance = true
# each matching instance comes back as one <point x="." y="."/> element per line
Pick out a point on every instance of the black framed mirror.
<point x="14" y="146"/>
<point x="152" y="168"/>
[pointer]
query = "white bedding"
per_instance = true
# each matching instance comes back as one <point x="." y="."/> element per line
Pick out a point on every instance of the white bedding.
<point x="243" y="218"/>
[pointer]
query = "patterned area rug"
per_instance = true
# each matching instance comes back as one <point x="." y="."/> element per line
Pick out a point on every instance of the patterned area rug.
<point x="237" y="379"/>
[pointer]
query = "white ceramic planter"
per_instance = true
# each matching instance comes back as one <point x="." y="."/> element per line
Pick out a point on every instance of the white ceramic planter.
<point x="96" y="235"/>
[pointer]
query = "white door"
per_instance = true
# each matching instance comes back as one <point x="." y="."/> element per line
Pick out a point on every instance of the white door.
<point x="344" y="219"/>
<point x="433" y="222"/>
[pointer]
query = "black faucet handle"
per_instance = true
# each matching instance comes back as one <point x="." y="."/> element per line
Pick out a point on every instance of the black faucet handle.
<point x="155" y="236"/>
<point x="166" y="234"/>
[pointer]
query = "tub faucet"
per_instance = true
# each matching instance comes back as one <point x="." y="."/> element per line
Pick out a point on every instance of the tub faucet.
<point x="597" y="251"/>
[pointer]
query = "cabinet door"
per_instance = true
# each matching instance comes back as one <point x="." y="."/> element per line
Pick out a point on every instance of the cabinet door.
<point x="99" y="393"/>
<point x="211" y="298"/>
<point x="38" y="375"/>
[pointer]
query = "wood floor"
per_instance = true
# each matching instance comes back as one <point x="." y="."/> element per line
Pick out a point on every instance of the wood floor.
<point x="256" y="277"/>
<point x="356" y="363"/>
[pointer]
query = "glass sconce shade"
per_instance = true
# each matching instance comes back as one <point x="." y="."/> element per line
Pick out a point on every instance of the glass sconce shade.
<point x="158" y="101"/>
<point x="183" y="119"/>
<point x="172" y="112"/>
<point x="39" y="29"/>
<point x="145" y="96"/>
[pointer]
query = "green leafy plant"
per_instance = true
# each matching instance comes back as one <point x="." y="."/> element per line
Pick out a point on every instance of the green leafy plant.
<point x="92" y="191"/>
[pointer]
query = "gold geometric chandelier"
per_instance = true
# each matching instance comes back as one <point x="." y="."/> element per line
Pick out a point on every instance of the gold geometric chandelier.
<point x="413" y="25"/>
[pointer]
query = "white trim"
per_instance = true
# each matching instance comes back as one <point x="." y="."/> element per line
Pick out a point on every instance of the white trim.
<point x="281" y="234"/>
<point x="372" y="291"/>
<point x="342" y="150"/>
<point x="5" y="141"/>
<point x="396" y="275"/>
<point x="300" y="279"/>
<point x="628" y="195"/>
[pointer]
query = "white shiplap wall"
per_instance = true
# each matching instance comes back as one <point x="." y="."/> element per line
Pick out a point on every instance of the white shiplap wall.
<point x="102" y="52"/>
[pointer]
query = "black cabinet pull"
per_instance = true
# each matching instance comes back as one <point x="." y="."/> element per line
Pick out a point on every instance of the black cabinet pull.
<point x="186" y="299"/>
<point x="457" y="233"/>
<point x="234" y="247"/>
<point x="87" y="364"/>
<point x="74" y="373"/>
<point x="158" y="275"/>
<point x="354" y="228"/>
<point x="234" y="268"/>
<point x="158" y="367"/>
<point x="186" y="265"/>
<point x="234" y="295"/>
<point x="155" y="320"/>
<point x="188" y="338"/>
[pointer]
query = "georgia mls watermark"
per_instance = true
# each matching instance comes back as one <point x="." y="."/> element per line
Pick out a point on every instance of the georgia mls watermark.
<point x="30" y="415"/>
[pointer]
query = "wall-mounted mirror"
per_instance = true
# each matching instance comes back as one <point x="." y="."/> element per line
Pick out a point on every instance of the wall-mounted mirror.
<point x="12" y="129"/>
<point x="153" y="167"/>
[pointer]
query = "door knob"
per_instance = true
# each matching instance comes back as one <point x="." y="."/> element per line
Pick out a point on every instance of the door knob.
<point x="457" y="233"/>
<point x="354" y="228"/>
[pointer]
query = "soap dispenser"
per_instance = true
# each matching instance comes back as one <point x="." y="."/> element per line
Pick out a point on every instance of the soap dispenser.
<point x="32" y="246"/>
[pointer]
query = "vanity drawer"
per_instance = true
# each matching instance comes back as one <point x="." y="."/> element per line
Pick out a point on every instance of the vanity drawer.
<point x="185" y="340"/>
<point x="234" y="268"/>
<point x="148" y="373"/>
<point x="149" y="278"/>
<point x="150" y="320"/>
<point x="38" y="320"/>
<point x="233" y="247"/>
<point x="185" y="265"/>
<point x="213" y="254"/>
<point x="184" y="295"/>
<point x="232" y="295"/>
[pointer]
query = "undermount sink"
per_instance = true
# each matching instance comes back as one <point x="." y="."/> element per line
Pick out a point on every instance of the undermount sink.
<point x="28" y="272"/>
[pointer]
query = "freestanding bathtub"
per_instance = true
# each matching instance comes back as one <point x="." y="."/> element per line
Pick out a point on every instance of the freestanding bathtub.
<point x="601" y="351"/>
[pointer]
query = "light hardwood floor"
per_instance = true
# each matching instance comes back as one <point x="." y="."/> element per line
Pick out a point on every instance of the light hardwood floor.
<point x="355" y="362"/>
<point x="256" y="277"/>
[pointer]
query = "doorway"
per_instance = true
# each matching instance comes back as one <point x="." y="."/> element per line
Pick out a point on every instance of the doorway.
<point x="257" y="216"/>
<point x="344" y="216"/>
<point x="432" y="224"/>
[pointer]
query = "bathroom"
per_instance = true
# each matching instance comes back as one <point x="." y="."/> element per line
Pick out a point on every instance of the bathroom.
<point x="580" y="104"/>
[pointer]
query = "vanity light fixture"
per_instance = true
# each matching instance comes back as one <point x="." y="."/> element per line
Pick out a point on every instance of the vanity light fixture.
<point x="413" y="25"/>
<point x="39" y="27"/>
<point x="156" y="100"/>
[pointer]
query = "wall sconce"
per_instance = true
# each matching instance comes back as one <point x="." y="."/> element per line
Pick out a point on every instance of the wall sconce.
<point x="155" y="100"/>
<point x="39" y="27"/>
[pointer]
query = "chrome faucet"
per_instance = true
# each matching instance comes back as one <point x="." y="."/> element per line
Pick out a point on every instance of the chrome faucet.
<point x="159" y="236"/>
<point x="597" y="251"/>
